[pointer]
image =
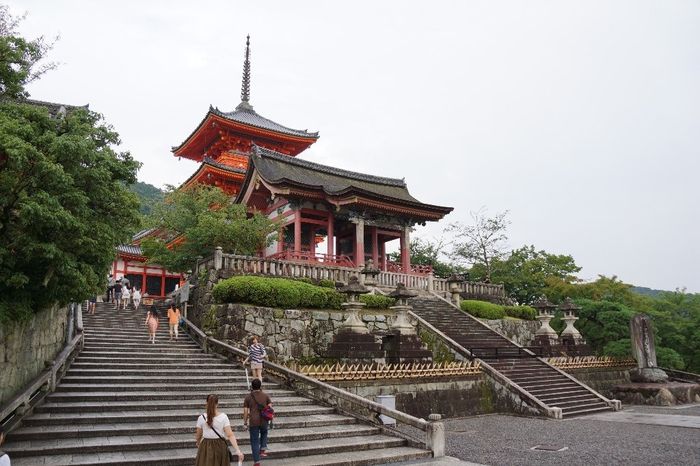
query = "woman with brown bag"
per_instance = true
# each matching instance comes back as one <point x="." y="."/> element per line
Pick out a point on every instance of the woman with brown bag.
<point x="212" y="449"/>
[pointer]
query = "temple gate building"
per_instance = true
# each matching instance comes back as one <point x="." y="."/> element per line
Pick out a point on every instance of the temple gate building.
<point x="328" y="215"/>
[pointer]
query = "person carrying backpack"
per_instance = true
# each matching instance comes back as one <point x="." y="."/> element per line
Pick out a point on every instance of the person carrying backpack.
<point x="257" y="416"/>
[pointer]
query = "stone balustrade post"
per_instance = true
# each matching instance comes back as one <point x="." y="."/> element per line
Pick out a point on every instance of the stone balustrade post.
<point x="431" y="285"/>
<point x="435" y="438"/>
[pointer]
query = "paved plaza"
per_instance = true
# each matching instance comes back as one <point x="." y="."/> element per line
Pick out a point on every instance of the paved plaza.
<point x="638" y="435"/>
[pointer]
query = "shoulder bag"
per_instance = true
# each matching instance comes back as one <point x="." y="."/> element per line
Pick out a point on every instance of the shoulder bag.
<point x="230" y="455"/>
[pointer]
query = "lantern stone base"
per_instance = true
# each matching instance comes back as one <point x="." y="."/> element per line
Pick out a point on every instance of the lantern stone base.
<point x="400" y="348"/>
<point x="349" y="345"/>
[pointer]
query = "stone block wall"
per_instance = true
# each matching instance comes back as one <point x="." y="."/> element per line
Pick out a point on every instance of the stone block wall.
<point x="520" y="331"/>
<point x="602" y="380"/>
<point x="289" y="334"/>
<point x="26" y="349"/>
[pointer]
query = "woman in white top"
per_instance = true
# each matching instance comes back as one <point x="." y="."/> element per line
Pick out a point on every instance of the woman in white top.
<point x="212" y="428"/>
<point x="136" y="296"/>
<point x="126" y="295"/>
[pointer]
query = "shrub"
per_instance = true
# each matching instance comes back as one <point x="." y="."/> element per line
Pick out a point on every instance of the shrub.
<point x="482" y="309"/>
<point x="325" y="283"/>
<point x="276" y="292"/>
<point x="520" y="312"/>
<point x="377" y="301"/>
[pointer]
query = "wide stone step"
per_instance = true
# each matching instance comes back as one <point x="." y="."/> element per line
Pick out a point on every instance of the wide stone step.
<point x="156" y="365"/>
<point x="42" y="432"/>
<point x="140" y="342"/>
<point x="551" y="377"/>
<point x="233" y="409"/>
<point x="201" y="379"/>
<point x="172" y="393"/>
<point x="52" y="406"/>
<point x="87" y="388"/>
<point x="141" y="354"/>
<point x="155" y="372"/>
<point x="157" y="347"/>
<point x="568" y="410"/>
<point x="154" y="359"/>
<point x="585" y="411"/>
<point x="69" y="446"/>
<point x="563" y="395"/>
<point x="312" y="452"/>
<point x="575" y="402"/>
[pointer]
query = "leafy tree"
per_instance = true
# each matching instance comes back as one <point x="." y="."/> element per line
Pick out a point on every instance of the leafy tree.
<point x="19" y="57"/>
<point x="64" y="204"/>
<point x="148" y="195"/>
<point x="482" y="242"/>
<point x="196" y="220"/>
<point x="525" y="272"/>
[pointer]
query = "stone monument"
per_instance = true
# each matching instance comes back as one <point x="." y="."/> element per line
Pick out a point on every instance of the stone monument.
<point x="644" y="351"/>
<point x="545" y="336"/>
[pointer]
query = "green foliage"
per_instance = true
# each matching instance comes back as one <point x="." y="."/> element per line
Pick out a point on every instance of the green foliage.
<point x="377" y="301"/>
<point x="525" y="272"/>
<point x="148" y="195"/>
<point x="64" y="206"/>
<point x="203" y="217"/>
<point x="19" y="57"/>
<point x="486" y="310"/>
<point x="482" y="309"/>
<point x="618" y="348"/>
<point x="324" y="282"/>
<point x="276" y="292"/>
<point x="441" y="352"/>
<point x="520" y="312"/>
<point x="666" y="357"/>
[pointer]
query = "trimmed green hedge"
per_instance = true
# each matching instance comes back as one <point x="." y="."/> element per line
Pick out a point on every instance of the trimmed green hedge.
<point x="377" y="301"/>
<point x="276" y="292"/>
<point x="483" y="309"/>
<point x="486" y="310"/>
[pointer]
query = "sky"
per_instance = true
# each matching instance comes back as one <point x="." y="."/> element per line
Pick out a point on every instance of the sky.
<point x="581" y="118"/>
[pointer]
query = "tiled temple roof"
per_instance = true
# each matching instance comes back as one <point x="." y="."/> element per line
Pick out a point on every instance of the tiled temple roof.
<point x="55" y="109"/>
<point x="276" y="168"/>
<point x="130" y="249"/>
<point x="246" y="115"/>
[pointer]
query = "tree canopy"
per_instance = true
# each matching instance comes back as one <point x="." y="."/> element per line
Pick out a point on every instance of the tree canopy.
<point x="199" y="219"/>
<point x="482" y="242"/>
<point x="64" y="204"/>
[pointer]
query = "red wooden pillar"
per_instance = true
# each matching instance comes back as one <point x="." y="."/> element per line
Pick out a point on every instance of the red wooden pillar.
<point x="329" y="238"/>
<point x="162" y="283"/>
<point x="382" y="266"/>
<point x="143" y="278"/>
<point x="360" y="242"/>
<point x="297" y="231"/>
<point x="405" y="254"/>
<point x="375" y="246"/>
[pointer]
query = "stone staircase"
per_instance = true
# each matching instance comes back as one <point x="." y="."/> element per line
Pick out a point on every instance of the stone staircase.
<point x="125" y="401"/>
<point x="536" y="377"/>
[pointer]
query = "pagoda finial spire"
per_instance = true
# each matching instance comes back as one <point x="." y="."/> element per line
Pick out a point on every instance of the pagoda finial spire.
<point x="245" y="86"/>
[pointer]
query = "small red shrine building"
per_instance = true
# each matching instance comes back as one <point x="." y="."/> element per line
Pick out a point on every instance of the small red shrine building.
<point x="328" y="215"/>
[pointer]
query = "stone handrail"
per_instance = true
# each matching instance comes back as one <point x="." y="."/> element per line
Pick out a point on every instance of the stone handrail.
<point x="441" y="285"/>
<point x="391" y="279"/>
<point x="46" y="382"/>
<point x="490" y="371"/>
<point x="434" y="439"/>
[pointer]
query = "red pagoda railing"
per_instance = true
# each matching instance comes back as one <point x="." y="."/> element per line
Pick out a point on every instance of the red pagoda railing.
<point x="311" y="257"/>
<point x="415" y="268"/>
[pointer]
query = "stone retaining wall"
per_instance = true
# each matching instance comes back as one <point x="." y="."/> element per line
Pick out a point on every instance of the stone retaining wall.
<point x="520" y="331"/>
<point x="26" y="348"/>
<point x="301" y="335"/>
<point x="602" y="380"/>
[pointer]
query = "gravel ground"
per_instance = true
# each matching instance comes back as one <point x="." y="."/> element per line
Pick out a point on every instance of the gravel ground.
<point x="507" y="440"/>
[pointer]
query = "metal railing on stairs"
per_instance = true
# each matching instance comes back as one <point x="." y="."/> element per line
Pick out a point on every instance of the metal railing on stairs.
<point x="345" y="402"/>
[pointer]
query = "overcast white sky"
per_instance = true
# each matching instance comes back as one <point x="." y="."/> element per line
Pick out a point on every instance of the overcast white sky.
<point x="581" y="118"/>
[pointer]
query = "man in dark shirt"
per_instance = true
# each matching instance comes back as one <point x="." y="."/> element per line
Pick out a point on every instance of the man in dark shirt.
<point x="253" y="404"/>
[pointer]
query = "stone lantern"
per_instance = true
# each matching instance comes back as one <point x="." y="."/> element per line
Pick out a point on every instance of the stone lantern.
<point x="401" y="294"/>
<point x="454" y="284"/>
<point x="545" y="335"/>
<point x="570" y="335"/>
<point x="369" y="273"/>
<point x="353" y="306"/>
<point x="353" y="342"/>
<point x="401" y="342"/>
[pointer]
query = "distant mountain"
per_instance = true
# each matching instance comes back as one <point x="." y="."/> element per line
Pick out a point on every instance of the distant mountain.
<point x="647" y="291"/>
<point x="148" y="195"/>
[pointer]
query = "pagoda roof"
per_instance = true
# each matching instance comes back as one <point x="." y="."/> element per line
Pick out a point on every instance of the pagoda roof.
<point x="208" y="163"/>
<point x="337" y="186"/>
<point x="245" y="114"/>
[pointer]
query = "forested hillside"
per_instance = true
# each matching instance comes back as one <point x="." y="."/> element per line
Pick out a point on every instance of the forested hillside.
<point x="148" y="195"/>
